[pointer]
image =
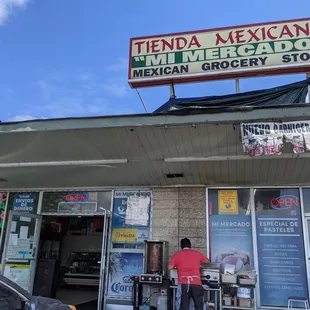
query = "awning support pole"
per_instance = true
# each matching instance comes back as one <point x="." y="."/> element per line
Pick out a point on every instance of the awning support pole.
<point x="237" y="83"/>
<point x="172" y="91"/>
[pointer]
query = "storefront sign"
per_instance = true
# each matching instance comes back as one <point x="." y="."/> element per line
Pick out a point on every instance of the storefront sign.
<point x="228" y="201"/>
<point x="270" y="48"/>
<point x="124" y="235"/>
<point x="24" y="203"/>
<point x="122" y="267"/>
<point x="231" y="240"/>
<point x="3" y="198"/>
<point x="267" y="138"/>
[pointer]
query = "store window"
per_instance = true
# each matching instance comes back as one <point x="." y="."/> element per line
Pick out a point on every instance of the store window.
<point x="230" y="227"/>
<point x="306" y="199"/>
<point x="281" y="255"/>
<point x="76" y="202"/>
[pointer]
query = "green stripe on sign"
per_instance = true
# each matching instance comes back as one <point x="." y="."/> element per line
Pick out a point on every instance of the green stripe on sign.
<point x="179" y="57"/>
<point x="138" y="61"/>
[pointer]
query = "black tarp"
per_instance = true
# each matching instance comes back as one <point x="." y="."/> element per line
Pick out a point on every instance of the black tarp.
<point x="287" y="95"/>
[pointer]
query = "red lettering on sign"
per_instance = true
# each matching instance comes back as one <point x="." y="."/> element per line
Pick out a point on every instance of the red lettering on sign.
<point x="75" y="198"/>
<point x="284" y="202"/>
<point x="163" y="45"/>
<point x="263" y="33"/>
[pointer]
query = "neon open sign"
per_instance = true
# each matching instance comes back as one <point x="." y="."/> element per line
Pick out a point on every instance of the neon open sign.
<point x="77" y="197"/>
<point x="284" y="202"/>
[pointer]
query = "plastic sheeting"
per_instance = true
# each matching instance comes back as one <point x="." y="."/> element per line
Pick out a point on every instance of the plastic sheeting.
<point x="287" y="95"/>
<point x="43" y="303"/>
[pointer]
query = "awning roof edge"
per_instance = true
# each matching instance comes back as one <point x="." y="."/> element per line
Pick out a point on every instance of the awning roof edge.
<point x="170" y="119"/>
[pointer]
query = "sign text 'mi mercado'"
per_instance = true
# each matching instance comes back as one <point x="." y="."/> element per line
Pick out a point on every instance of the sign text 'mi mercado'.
<point x="243" y="51"/>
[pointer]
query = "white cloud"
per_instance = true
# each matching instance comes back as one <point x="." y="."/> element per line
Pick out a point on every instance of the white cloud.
<point x="121" y="65"/>
<point x="7" y="7"/>
<point x="21" y="117"/>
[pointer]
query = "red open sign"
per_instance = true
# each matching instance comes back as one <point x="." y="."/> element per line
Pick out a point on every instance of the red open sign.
<point x="284" y="202"/>
<point x="76" y="197"/>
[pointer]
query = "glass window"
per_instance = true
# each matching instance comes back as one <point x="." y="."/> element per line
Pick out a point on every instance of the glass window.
<point x="306" y="199"/>
<point x="76" y="202"/>
<point x="230" y="227"/>
<point x="281" y="256"/>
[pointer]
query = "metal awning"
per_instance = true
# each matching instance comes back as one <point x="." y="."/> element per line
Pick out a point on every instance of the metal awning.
<point x="143" y="151"/>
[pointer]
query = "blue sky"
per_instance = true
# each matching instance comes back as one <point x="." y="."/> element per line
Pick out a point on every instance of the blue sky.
<point x="62" y="58"/>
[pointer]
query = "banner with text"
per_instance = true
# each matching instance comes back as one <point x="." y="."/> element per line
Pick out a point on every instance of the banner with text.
<point x="24" y="203"/>
<point x="220" y="53"/>
<point x="231" y="240"/>
<point x="131" y="216"/>
<point x="268" y="138"/>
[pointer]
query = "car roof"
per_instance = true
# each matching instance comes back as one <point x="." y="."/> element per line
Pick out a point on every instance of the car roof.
<point x="15" y="287"/>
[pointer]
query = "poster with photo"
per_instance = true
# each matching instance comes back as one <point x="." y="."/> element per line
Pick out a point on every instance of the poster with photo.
<point x="231" y="240"/>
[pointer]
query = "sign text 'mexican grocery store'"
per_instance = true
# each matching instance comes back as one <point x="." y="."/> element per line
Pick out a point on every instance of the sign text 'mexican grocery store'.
<point x="273" y="48"/>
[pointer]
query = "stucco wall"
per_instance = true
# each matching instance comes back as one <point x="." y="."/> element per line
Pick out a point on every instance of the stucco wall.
<point x="179" y="213"/>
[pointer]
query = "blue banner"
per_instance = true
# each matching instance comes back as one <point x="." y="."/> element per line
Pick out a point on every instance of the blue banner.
<point x="120" y="212"/>
<point x="231" y="240"/>
<point x="122" y="267"/>
<point x="281" y="257"/>
<point x="24" y="203"/>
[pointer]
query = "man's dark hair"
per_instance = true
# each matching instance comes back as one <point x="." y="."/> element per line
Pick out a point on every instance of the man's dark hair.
<point x="185" y="243"/>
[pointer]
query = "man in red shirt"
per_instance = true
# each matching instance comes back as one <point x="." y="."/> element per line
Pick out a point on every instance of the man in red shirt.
<point x="187" y="262"/>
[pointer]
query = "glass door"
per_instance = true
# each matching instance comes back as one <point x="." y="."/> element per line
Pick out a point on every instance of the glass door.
<point x="21" y="248"/>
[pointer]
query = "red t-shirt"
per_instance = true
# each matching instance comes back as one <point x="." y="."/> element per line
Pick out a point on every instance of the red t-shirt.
<point x="187" y="262"/>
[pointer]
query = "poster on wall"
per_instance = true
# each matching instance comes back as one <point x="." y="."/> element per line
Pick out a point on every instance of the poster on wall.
<point x="18" y="273"/>
<point x="268" y="138"/>
<point x="281" y="256"/>
<point x="228" y="201"/>
<point x="131" y="210"/>
<point x="231" y="240"/>
<point x="122" y="267"/>
<point x="3" y="198"/>
<point x="24" y="203"/>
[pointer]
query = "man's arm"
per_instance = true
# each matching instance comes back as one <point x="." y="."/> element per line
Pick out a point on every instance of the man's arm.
<point x="172" y="263"/>
<point x="204" y="259"/>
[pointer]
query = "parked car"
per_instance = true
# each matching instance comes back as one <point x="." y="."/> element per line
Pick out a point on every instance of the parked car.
<point x="13" y="297"/>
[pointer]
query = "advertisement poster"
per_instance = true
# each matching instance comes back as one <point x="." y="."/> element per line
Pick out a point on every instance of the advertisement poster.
<point x="122" y="267"/>
<point x="3" y="198"/>
<point x="24" y="203"/>
<point x="231" y="240"/>
<point x="131" y="210"/>
<point x="124" y="235"/>
<point x="268" y="138"/>
<point x="18" y="273"/>
<point x="281" y="256"/>
<point x="228" y="201"/>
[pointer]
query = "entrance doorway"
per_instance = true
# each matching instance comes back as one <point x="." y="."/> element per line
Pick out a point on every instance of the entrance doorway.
<point x="69" y="264"/>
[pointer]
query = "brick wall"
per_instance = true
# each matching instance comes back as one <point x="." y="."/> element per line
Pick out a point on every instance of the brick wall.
<point x="179" y="213"/>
